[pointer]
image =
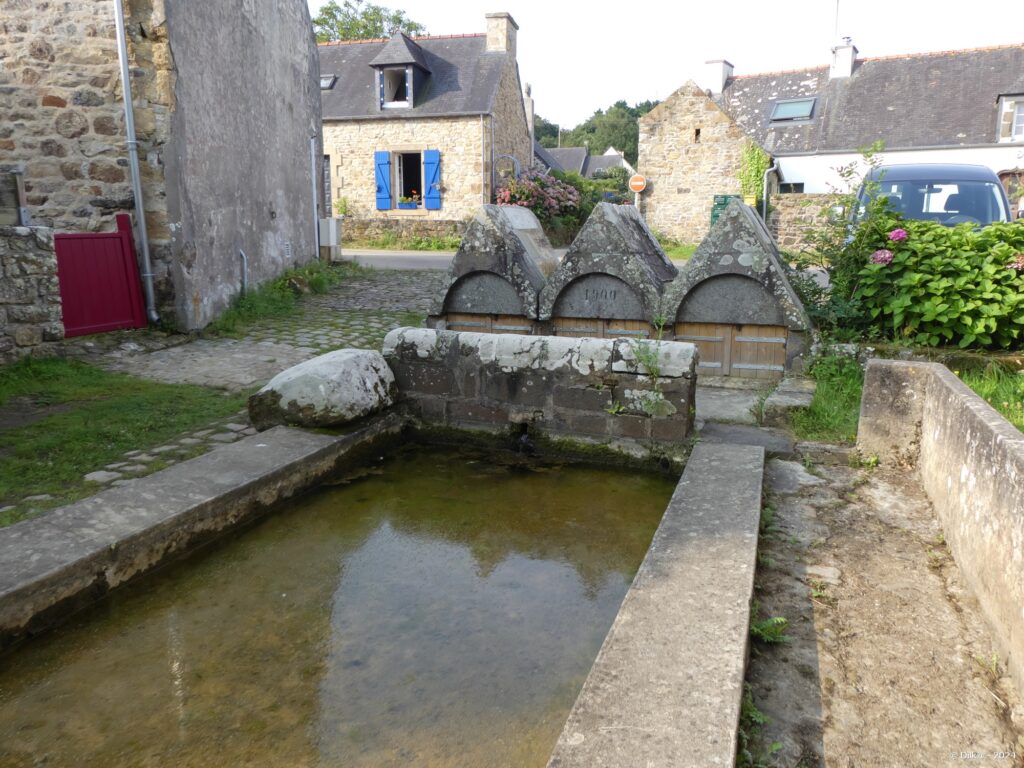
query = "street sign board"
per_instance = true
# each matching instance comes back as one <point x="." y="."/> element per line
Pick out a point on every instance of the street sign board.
<point x="637" y="183"/>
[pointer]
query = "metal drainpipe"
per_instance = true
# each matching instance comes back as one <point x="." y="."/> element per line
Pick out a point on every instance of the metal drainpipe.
<point x="764" y="192"/>
<point x="316" y="211"/>
<point x="483" y="162"/>
<point x="133" y="163"/>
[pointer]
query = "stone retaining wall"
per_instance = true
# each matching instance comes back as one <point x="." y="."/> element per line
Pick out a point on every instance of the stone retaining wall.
<point x="971" y="462"/>
<point x="790" y="217"/>
<point x="353" y="229"/>
<point x="593" y="389"/>
<point x="30" y="310"/>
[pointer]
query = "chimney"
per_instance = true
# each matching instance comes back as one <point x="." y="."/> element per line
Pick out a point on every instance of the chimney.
<point x="843" y="56"/>
<point x="501" y="33"/>
<point x="715" y="75"/>
<point x="528" y="106"/>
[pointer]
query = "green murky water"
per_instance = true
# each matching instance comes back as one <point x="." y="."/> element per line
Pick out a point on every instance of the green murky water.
<point x="443" y="612"/>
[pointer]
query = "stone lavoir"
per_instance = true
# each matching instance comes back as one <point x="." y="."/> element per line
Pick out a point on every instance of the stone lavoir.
<point x="732" y="298"/>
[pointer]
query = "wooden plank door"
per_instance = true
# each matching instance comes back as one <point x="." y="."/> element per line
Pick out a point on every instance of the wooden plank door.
<point x="469" y="322"/>
<point x="714" y="344"/>
<point x="758" y="351"/>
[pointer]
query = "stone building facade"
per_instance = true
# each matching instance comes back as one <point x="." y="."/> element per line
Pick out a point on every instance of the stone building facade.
<point x="466" y="111"/>
<point x="791" y="215"/>
<point x="225" y="103"/>
<point x="690" y="151"/>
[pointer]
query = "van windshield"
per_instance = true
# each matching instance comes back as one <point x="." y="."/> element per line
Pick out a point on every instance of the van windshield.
<point x="947" y="202"/>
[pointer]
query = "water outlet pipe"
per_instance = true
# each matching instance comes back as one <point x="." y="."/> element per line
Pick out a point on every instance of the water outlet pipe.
<point x="133" y="163"/>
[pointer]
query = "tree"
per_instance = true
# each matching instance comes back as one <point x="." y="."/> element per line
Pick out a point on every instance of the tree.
<point x="617" y="127"/>
<point x="545" y="132"/>
<point x="358" y="20"/>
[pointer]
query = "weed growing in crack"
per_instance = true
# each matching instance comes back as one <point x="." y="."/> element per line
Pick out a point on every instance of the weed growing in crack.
<point x="770" y="630"/>
<point x="752" y="752"/>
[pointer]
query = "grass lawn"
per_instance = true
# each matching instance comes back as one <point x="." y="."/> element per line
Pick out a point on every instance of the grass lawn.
<point x="833" y="414"/>
<point x="61" y="419"/>
<point x="680" y="251"/>
<point x="1002" y="389"/>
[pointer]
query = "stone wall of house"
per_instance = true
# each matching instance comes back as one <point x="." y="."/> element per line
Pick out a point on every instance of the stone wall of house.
<point x="511" y="132"/>
<point x="684" y="169"/>
<point x="220" y="170"/>
<point x="790" y="217"/>
<point x="62" y="121"/>
<point x="462" y="142"/>
<point x="30" y="312"/>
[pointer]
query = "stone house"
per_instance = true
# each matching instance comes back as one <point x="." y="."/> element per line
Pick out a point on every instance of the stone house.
<point x="945" y="107"/>
<point x="225" y="104"/>
<point x="417" y="131"/>
<point x="579" y="160"/>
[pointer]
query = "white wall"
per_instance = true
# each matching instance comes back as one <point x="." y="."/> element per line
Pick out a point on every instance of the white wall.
<point x="818" y="174"/>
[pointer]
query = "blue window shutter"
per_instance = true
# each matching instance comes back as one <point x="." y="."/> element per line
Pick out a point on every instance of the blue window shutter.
<point x="382" y="164"/>
<point x="432" y="175"/>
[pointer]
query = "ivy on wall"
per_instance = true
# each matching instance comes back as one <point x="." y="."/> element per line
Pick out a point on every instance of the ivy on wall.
<point x="754" y="162"/>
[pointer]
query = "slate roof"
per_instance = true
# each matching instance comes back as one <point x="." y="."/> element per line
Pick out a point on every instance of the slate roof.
<point x="400" y="50"/>
<point x="463" y="79"/>
<point x="544" y="155"/>
<point x="943" y="99"/>
<point x="570" y="158"/>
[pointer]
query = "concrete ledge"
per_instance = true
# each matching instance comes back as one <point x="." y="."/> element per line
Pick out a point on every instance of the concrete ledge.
<point x="971" y="462"/>
<point x="57" y="563"/>
<point x="665" y="689"/>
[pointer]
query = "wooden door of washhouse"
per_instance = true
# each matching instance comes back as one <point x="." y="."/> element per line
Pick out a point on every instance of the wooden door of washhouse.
<point x="595" y="328"/>
<point x="471" y="322"/>
<point x="746" y="350"/>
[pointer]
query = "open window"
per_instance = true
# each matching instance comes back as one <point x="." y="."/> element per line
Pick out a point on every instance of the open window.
<point x="394" y="87"/>
<point x="408" y="179"/>
<point x="793" y="110"/>
<point x="1011" y="118"/>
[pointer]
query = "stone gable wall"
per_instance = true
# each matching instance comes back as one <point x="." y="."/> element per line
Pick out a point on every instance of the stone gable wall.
<point x="461" y="141"/>
<point x="511" y="133"/>
<point x="683" y="174"/>
<point x="30" y="309"/>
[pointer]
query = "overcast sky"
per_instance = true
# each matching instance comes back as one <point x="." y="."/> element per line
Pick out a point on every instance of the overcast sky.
<point x="580" y="57"/>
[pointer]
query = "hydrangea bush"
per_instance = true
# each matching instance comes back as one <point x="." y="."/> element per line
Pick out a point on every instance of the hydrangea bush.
<point x="546" y="196"/>
<point x="929" y="284"/>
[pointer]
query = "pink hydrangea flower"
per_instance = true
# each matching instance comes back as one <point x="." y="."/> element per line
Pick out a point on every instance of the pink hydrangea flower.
<point x="881" y="256"/>
<point x="1017" y="263"/>
<point x="898" y="234"/>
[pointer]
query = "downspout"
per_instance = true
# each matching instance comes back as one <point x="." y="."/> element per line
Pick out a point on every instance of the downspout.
<point x="493" y="187"/>
<point x="316" y="207"/>
<point x="764" y="192"/>
<point x="483" y="162"/>
<point x="133" y="163"/>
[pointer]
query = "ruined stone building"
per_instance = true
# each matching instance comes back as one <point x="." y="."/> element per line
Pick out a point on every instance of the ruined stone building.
<point x="945" y="107"/>
<point x="225" y="104"/>
<point x="418" y="130"/>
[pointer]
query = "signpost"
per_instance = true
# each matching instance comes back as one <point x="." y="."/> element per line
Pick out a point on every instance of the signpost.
<point x="638" y="184"/>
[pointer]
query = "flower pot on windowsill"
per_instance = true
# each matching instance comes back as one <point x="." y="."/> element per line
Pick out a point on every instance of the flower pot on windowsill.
<point x="409" y="206"/>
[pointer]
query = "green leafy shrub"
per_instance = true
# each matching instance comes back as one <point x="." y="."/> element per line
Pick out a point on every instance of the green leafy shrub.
<point x="930" y="284"/>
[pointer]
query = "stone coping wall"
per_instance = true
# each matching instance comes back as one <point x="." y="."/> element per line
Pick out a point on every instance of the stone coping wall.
<point x="30" y="309"/>
<point x="594" y="389"/>
<point x="971" y="463"/>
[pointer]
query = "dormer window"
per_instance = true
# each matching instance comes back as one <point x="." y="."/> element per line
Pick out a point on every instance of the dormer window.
<point x="327" y="82"/>
<point x="395" y="87"/>
<point x="792" y="110"/>
<point x="1011" y="118"/>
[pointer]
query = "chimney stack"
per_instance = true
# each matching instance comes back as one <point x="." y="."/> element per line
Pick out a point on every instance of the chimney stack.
<point x="716" y="73"/>
<point x="501" y="33"/>
<point x="843" y="57"/>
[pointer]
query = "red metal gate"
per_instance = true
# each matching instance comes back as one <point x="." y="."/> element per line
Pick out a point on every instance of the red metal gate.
<point x="99" y="280"/>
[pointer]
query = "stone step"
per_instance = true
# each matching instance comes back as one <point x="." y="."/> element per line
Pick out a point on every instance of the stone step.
<point x="777" y="443"/>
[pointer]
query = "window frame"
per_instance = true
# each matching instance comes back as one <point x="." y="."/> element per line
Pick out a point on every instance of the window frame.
<point x="813" y="100"/>
<point x="407" y="78"/>
<point x="330" y="79"/>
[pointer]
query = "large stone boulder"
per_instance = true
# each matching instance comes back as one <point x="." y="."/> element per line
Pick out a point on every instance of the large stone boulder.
<point x="327" y="391"/>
